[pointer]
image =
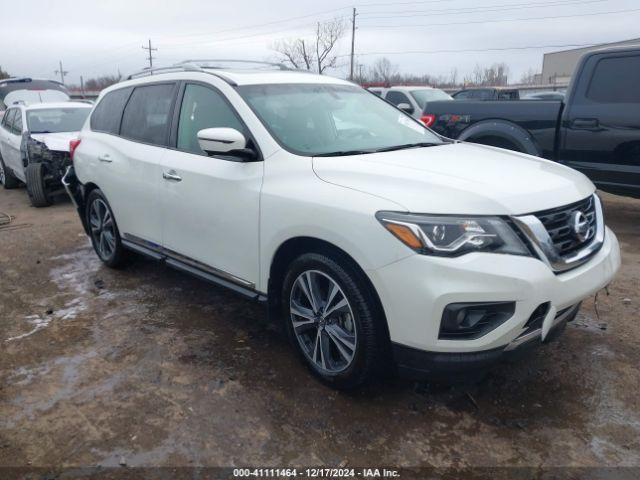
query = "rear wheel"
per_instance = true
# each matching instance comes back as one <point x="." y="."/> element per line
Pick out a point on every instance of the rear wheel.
<point x="105" y="236"/>
<point x="7" y="178"/>
<point x="36" y="175"/>
<point x="332" y="320"/>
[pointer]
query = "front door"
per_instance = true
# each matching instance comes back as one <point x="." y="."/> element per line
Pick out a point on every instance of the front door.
<point x="12" y="155"/>
<point x="211" y="204"/>
<point x="602" y="127"/>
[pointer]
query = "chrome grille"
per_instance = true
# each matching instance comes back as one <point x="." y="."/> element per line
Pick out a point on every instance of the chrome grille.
<point x="559" y="225"/>
<point x="565" y="237"/>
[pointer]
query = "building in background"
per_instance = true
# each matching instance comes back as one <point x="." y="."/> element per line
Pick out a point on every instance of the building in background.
<point x="557" y="67"/>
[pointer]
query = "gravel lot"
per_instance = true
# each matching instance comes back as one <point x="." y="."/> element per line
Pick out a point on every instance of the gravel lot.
<point x="149" y="367"/>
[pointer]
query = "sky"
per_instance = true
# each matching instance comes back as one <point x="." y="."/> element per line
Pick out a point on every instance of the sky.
<point x="100" y="37"/>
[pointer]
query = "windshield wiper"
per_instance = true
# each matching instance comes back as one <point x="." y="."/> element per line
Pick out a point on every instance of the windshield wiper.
<point x="408" y="145"/>
<point x="43" y="131"/>
<point x="343" y="153"/>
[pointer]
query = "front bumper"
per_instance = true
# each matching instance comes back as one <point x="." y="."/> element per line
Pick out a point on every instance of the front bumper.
<point x="469" y="366"/>
<point x="415" y="290"/>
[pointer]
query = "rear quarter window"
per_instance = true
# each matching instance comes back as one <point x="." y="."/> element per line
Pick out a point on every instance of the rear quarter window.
<point x="146" y="116"/>
<point x="108" y="113"/>
<point x="616" y="80"/>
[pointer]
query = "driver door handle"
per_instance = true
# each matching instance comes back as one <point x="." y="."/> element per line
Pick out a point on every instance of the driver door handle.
<point x="585" y="123"/>
<point x="172" y="175"/>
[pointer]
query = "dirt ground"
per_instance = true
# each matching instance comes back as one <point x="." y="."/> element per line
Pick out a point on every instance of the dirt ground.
<point x="149" y="367"/>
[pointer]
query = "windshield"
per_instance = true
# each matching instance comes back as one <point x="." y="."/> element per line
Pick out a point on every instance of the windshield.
<point x="425" y="95"/>
<point x="325" y="119"/>
<point x="55" y="120"/>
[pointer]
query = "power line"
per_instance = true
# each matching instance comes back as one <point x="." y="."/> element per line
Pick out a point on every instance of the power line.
<point x="275" y="22"/>
<point x="489" y="8"/>
<point x="251" y="35"/>
<point x="475" y="50"/>
<point x="400" y="3"/>
<point x="505" y="20"/>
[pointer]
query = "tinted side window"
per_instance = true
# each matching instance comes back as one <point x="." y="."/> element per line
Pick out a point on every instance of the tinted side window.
<point x="146" y="116"/>
<point x="616" y="80"/>
<point x="17" y="123"/>
<point x="481" y="94"/>
<point x="107" y="114"/>
<point x="461" y="95"/>
<point x="203" y="108"/>
<point x="397" y="98"/>
<point x="7" y="120"/>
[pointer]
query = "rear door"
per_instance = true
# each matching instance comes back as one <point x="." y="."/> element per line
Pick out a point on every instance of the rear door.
<point x="211" y="204"/>
<point x="126" y="145"/>
<point x="601" y="128"/>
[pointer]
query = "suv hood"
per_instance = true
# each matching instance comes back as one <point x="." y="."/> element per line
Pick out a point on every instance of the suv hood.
<point x="458" y="178"/>
<point x="58" y="142"/>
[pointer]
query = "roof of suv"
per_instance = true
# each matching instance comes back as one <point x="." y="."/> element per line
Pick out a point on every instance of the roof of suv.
<point x="237" y="77"/>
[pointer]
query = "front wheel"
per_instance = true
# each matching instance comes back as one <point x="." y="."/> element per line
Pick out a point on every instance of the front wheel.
<point x="103" y="229"/>
<point x="36" y="175"/>
<point x="332" y="320"/>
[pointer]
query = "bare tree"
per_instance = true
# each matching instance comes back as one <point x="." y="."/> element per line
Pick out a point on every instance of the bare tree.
<point x="327" y="36"/>
<point x="384" y="71"/>
<point x="3" y="74"/>
<point x="317" y="53"/>
<point x="529" y="77"/>
<point x="102" y="82"/>
<point x="296" y="52"/>
<point x="453" y="77"/>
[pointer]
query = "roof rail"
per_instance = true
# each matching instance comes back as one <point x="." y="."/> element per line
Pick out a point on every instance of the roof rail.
<point x="201" y="66"/>
<point x="205" y="63"/>
<point x="150" y="71"/>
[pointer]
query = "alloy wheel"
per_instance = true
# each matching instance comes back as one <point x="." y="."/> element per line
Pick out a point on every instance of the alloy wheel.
<point x="323" y="321"/>
<point x="102" y="229"/>
<point x="1" y="173"/>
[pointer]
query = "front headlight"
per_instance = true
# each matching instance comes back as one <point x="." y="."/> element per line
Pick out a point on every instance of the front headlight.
<point x="451" y="236"/>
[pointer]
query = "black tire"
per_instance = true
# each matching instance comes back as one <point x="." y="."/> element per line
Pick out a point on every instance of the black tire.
<point x="370" y="343"/>
<point x="35" y="174"/>
<point x="116" y="256"/>
<point x="7" y="178"/>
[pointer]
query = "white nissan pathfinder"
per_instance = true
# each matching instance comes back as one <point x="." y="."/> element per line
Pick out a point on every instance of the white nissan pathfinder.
<point x="377" y="241"/>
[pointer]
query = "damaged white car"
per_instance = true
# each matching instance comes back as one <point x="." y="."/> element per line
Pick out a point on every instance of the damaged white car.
<point x="34" y="146"/>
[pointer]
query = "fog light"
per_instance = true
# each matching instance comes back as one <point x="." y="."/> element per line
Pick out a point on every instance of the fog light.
<point x="467" y="321"/>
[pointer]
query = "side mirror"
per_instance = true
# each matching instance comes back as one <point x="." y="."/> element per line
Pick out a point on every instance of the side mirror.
<point x="224" y="141"/>
<point x="405" y="107"/>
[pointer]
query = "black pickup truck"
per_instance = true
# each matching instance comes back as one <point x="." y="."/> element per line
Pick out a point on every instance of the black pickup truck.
<point x="595" y="130"/>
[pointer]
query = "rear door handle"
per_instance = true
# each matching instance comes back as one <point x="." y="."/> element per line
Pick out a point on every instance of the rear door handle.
<point x="585" y="123"/>
<point x="172" y="175"/>
<point x="105" y="158"/>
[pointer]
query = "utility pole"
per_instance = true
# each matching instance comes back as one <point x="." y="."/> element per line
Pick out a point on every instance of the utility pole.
<point x="150" y="55"/>
<point x="353" y="41"/>
<point x="62" y="72"/>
